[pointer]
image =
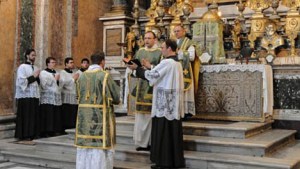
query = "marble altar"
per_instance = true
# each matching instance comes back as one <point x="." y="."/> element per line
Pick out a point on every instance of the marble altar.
<point x="235" y="92"/>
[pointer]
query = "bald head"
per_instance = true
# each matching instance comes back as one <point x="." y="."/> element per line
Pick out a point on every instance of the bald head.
<point x="179" y="32"/>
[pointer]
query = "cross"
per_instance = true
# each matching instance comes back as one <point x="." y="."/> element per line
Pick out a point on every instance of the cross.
<point x="185" y="71"/>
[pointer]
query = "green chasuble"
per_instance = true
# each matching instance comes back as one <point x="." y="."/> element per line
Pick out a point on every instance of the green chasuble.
<point x="190" y="69"/>
<point x="143" y="90"/>
<point x="95" y="127"/>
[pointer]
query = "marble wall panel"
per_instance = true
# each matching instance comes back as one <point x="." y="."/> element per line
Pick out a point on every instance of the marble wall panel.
<point x="113" y="36"/>
<point x="8" y="24"/>
<point x="57" y="30"/>
<point x="287" y="93"/>
<point x="26" y="37"/>
<point x="87" y="32"/>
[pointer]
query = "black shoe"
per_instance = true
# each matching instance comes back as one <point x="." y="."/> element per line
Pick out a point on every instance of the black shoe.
<point x="156" y="167"/>
<point x="143" y="148"/>
<point x="187" y="117"/>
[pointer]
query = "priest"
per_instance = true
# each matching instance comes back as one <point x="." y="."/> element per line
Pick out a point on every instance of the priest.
<point x="188" y="52"/>
<point x="143" y="94"/>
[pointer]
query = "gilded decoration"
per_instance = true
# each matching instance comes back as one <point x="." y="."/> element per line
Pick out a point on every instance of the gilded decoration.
<point x="258" y="5"/>
<point x="152" y="15"/>
<point x="208" y="31"/>
<point x="292" y="26"/>
<point x="271" y="40"/>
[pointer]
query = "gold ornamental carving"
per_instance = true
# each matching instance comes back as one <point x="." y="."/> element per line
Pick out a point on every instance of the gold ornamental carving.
<point x="292" y="26"/>
<point x="292" y="4"/>
<point x="258" y="5"/>
<point x="257" y="21"/>
<point x="152" y="15"/>
<point x="257" y="29"/>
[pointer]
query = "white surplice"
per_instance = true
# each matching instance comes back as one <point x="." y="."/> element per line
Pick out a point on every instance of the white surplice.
<point x="23" y="89"/>
<point x="50" y="91"/>
<point x="167" y="92"/>
<point x="68" y="88"/>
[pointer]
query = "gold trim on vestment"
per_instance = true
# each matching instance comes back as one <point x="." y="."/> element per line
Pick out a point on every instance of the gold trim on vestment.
<point x="143" y="103"/>
<point x="101" y="148"/>
<point x="143" y="112"/>
<point x="90" y="105"/>
<point x="89" y="137"/>
<point x="184" y="44"/>
<point x="93" y="71"/>
<point x="104" y="109"/>
<point x="190" y="80"/>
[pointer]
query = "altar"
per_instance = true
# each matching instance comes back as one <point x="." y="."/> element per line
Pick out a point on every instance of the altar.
<point x="235" y="92"/>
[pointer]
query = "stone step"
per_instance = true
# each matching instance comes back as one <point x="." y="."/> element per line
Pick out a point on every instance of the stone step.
<point x="43" y="159"/>
<point x="208" y="128"/>
<point x="130" y="165"/>
<point x="259" y="145"/>
<point x="8" y="118"/>
<point x="60" y="145"/>
<point x="197" y="160"/>
<point x="7" y="130"/>
<point x="127" y="158"/>
<point x="291" y="152"/>
<point x="7" y="126"/>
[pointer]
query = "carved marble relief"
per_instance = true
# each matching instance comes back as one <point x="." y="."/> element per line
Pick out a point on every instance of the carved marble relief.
<point x="230" y="96"/>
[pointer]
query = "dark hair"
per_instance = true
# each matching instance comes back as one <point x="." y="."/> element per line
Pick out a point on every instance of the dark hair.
<point x="172" y="44"/>
<point x="85" y="59"/>
<point x="97" y="58"/>
<point x="67" y="60"/>
<point x="28" y="51"/>
<point x="151" y="33"/>
<point x="49" y="59"/>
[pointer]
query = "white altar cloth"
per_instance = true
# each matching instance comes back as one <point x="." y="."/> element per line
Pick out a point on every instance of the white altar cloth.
<point x="267" y="76"/>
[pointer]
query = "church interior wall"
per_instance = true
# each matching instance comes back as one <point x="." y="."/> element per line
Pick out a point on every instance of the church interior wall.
<point x="7" y="44"/>
<point x="54" y="28"/>
<point x="87" y="29"/>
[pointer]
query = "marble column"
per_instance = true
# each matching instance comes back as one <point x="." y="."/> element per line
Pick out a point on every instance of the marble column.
<point x="41" y="32"/>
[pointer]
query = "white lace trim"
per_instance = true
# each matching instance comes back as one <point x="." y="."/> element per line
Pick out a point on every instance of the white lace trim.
<point x="224" y="68"/>
<point x="32" y="91"/>
<point x="167" y="103"/>
<point x="69" y="98"/>
<point x="49" y="97"/>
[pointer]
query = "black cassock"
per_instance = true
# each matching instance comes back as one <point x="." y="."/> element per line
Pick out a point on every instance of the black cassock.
<point x="27" y="118"/>
<point x="167" y="143"/>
